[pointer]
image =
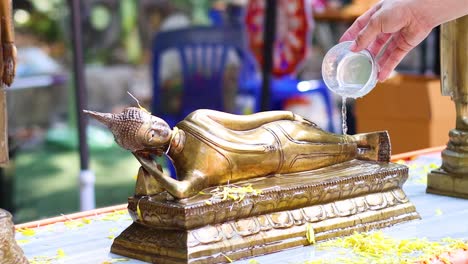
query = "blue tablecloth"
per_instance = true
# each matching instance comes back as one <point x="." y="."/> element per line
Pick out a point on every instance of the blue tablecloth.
<point x="89" y="240"/>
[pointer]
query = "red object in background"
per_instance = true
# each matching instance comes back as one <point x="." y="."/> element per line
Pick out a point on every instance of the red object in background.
<point x="292" y="33"/>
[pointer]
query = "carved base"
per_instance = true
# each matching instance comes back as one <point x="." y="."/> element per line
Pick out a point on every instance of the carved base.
<point x="353" y="196"/>
<point x="446" y="183"/>
<point x="10" y="252"/>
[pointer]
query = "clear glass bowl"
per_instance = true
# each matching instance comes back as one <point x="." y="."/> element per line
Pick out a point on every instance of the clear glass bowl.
<point x="349" y="74"/>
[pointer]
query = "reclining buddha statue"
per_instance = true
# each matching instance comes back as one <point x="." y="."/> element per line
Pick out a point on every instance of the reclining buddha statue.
<point x="210" y="148"/>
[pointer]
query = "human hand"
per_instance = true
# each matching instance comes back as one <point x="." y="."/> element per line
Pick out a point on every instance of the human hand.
<point x="400" y="22"/>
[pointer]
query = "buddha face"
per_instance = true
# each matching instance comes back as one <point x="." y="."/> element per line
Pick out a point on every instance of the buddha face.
<point x="154" y="133"/>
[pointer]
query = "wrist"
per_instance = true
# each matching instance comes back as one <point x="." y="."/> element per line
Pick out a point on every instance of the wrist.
<point x="432" y="13"/>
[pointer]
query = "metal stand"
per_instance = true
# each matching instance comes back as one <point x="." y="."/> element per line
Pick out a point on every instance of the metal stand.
<point x="452" y="178"/>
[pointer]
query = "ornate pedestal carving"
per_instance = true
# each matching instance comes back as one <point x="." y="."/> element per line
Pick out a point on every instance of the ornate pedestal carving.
<point x="10" y="252"/>
<point x="334" y="201"/>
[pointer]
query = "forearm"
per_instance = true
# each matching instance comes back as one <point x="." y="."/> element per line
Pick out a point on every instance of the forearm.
<point x="436" y="12"/>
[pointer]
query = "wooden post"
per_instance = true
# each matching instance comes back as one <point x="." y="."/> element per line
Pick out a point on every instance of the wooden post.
<point x="7" y="71"/>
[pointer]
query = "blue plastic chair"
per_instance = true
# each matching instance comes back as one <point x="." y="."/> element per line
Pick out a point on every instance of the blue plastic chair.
<point x="203" y="53"/>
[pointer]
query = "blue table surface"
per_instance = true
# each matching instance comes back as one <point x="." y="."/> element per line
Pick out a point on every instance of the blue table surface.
<point x="89" y="240"/>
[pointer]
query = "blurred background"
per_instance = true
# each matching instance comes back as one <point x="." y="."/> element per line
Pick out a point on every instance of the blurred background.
<point x="119" y="47"/>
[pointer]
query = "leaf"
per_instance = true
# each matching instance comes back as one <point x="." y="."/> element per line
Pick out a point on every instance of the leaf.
<point x="253" y="261"/>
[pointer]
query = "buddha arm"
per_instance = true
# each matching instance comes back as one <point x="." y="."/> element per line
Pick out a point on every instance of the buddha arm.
<point x="7" y="40"/>
<point x="179" y="189"/>
<point x="242" y="122"/>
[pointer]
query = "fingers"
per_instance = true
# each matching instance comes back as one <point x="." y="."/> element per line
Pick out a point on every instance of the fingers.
<point x="368" y="34"/>
<point x="359" y="24"/>
<point x="395" y="52"/>
<point x="379" y="43"/>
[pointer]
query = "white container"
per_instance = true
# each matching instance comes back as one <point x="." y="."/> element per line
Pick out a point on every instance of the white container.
<point x="349" y="74"/>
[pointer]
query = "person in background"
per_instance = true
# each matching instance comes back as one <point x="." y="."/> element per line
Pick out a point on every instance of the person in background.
<point x="403" y="24"/>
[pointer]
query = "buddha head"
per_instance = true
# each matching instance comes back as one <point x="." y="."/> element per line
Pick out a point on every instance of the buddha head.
<point x="136" y="130"/>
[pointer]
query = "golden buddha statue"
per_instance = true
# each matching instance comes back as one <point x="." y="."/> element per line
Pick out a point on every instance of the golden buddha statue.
<point x="304" y="178"/>
<point x="210" y="148"/>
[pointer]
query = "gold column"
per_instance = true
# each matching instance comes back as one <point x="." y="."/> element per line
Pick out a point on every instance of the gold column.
<point x="452" y="178"/>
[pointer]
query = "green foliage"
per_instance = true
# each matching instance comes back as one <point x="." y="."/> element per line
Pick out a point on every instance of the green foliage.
<point x="45" y="19"/>
<point x="46" y="180"/>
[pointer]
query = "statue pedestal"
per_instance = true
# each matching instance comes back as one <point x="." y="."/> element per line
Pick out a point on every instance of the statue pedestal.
<point x="451" y="178"/>
<point x="334" y="201"/>
<point x="446" y="183"/>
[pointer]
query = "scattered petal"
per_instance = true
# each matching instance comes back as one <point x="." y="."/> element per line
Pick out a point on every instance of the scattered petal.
<point x="310" y="234"/>
<point x="27" y="231"/>
<point x="140" y="217"/>
<point x="60" y="253"/>
<point x="23" y="241"/>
